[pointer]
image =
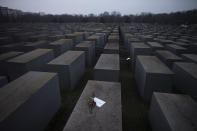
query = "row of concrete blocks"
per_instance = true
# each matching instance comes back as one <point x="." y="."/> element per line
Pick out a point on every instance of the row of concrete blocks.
<point x="30" y="101"/>
<point x="71" y="62"/>
<point x="168" y="112"/>
<point x="35" y="59"/>
<point x="36" y="56"/>
<point x="172" y="112"/>
<point x="169" y="59"/>
<point x="105" y="87"/>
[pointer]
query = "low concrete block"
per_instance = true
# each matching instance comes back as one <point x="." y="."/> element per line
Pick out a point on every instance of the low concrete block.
<point x="111" y="48"/>
<point x="168" y="57"/>
<point x="138" y="48"/>
<point x="89" y="48"/>
<point x="173" y="112"/>
<point x="61" y="46"/>
<point x="113" y="39"/>
<point x="106" y="118"/>
<point x="155" y="46"/>
<point x="186" y="78"/>
<point x="70" y="67"/>
<point x="33" y="60"/>
<point x="35" y="45"/>
<point x="190" y="57"/>
<point x="98" y="43"/>
<point x="152" y="75"/>
<point x="176" y="49"/>
<point x="29" y="102"/>
<point x="107" y="68"/>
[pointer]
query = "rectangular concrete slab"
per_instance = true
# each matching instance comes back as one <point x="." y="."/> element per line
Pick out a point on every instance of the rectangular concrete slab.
<point x="138" y="48"/>
<point x="61" y="46"/>
<point x="176" y="49"/>
<point x="99" y="43"/>
<point x="29" y="102"/>
<point x="152" y="75"/>
<point x="186" y="78"/>
<point x="113" y="38"/>
<point x="76" y="37"/>
<point x="190" y="57"/>
<point x="107" y="68"/>
<point x="8" y="55"/>
<point x="89" y="48"/>
<point x="70" y="67"/>
<point x="33" y="60"/>
<point x="173" y="112"/>
<point x="168" y="57"/>
<point x="111" y="48"/>
<point x="106" y="118"/>
<point x="35" y="45"/>
<point x="155" y="46"/>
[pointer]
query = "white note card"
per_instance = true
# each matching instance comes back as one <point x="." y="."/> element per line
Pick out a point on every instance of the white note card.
<point x="99" y="102"/>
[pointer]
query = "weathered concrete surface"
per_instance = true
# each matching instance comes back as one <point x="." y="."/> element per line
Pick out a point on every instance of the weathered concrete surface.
<point x="190" y="57"/>
<point x="106" y="118"/>
<point x="35" y="45"/>
<point x="152" y="75"/>
<point x="99" y="43"/>
<point x="61" y="46"/>
<point x="29" y="102"/>
<point x="173" y="112"/>
<point x="107" y="68"/>
<point x="168" y="57"/>
<point x="186" y="78"/>
<point x="8" y="55"/>
<point x="176" y="49"/>
<point x="113" y="38"/>
<point x="76" y="37"/>
<point x="70" y="67"/>
<point x="33" y="60"/>
<point x="89" y="48"/>
<point x="111" y="48"/>
<point x="13" y="47"/>
<point x="155" y="46"/>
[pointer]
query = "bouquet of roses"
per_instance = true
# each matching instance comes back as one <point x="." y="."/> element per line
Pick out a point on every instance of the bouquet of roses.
<point x="91" y="102"/>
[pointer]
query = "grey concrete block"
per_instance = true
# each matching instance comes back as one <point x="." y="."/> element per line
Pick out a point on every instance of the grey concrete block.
<point x="99" y="44"/>
<point x="186" y="78"/>
<point x="35" y="45"/>
<point x="111" y="48"/>
<point x="70" y="67"/>
<point x="3" y="81"/>
<point x="8" y="55"/>
<point x="113" y="38"/>
<point x="152" y="75"/>
<point x="130" y="40"/>
<point x="190" y="57"/>
<point x="155" y="46"/>
<point x="13" y="47"/>
<point x="33" y="60"/>
<point x="106" y="118"/>
<point x="29" y="102"/>
<point x="107" y="68"/>
<point x="76" y="37"/>
<point x="138" y="48"/>
<point x="168" y="57"/>
<point x="60" y="46"/>
<point x="173" y="112"/>
<point x="176" y="49"/>
<point x="89" y="48"/>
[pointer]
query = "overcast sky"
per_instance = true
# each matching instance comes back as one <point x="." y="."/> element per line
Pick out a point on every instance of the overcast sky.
<point x="99" y="6"/>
